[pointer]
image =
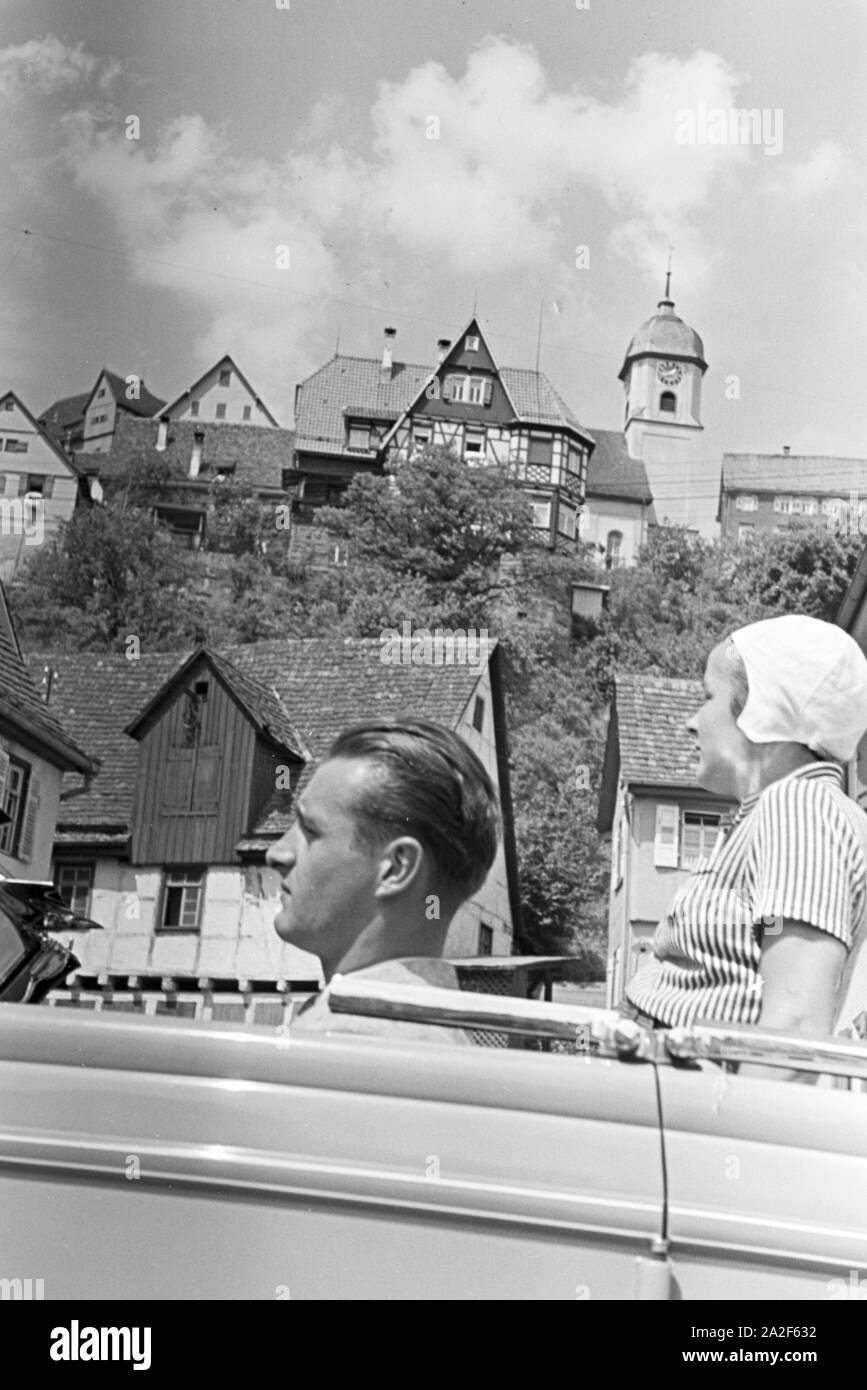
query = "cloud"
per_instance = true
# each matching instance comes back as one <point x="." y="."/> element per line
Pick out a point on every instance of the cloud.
<point x="483" y="170"/>
<point x="819" y="172"/>
<point x="45" y="65"/>
<point x="225" y="234"/>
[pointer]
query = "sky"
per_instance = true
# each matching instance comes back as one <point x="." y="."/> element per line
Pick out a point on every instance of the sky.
<point x="185" y="178"/>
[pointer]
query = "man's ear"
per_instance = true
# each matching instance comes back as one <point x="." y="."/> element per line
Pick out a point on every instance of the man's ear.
<point x="401" y="864"/>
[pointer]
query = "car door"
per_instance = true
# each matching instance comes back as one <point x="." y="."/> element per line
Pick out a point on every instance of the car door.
<point x="148" y="1158"/>
<point x="767" y="1186"/>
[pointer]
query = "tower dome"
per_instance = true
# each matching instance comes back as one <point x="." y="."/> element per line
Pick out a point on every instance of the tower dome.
<point x="665" y="335"/>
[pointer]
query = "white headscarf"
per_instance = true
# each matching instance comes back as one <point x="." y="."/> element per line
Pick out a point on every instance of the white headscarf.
<point x="808" y="685"/>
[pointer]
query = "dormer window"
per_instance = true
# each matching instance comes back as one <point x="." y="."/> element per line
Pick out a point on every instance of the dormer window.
<point x="472" y="343"/>
<point x="668" y="403"/>
<point x="359" y="436"/>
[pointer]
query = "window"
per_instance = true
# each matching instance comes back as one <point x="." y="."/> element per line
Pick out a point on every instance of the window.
<point x="98" y="419"/>
<point x="340" y="554"/>
<point x="16" y="446"/>
<point x="796" y="506"/>
<point x="37" y="484"/>
<point x="471" y="390"/>
<point x="474" y="445"/>
<point x="9" y="405"/>
<point x="747" y="502"/>
<point x="226" y="376"/>
<point x="74" y="883"/>
<point x="194" y="408"/>
<point x="539" y="450"/>
<point x="668" y="403"/>
<point x="100" y="393"/>
<point x="182" y="900"/>
<point x="479" y="714"/>
<point x="574" y="460"/>
<point x="247" y="412"/>
<point x="832" y="506"/>
<point x="472" y="344"/>
<point x="220" y="411"/>
<point x="359" y="436"/>
<point x="698" y="836"/>
<point x="17" y="784"/>
<point x="421" y="435"/>
<point x="566" y="521"/>
<point x="541" y="509"/>
<point x="783" y="504"/>
<point x="745" y="530"/>
<point x="612" y="549"/>
<point x="486" y="940"/>
<point x="811" y="506"/>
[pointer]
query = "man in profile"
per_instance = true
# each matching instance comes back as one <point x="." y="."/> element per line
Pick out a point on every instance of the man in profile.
<point x="395" y="830"/>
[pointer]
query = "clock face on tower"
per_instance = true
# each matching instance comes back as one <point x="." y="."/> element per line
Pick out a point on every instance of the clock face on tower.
<point x="669" y="372"/>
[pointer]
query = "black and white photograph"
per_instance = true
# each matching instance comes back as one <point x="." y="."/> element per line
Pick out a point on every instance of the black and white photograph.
<point x="433" y="665"/>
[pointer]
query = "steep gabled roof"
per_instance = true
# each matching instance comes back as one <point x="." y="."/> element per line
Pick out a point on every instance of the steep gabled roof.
<point x="317" y="686"/>
<point x="263" y="706"/>
<point x="25" y="710"/>
<point x="823" y="474"/>
<point x="39" y="429"/>
<point x="611" y="471"/>
<point x="146" y="404"/>
<point x="172" y="405"/>
<point x="259" y="453"/>
<point x="63" y="414"/>
<point x="355" y="383"/>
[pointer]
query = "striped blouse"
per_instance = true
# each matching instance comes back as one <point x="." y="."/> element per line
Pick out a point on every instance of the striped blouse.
<point x="790" y="852"/>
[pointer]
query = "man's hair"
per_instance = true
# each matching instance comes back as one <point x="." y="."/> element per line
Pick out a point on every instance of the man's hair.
<point x="429" y="784"/>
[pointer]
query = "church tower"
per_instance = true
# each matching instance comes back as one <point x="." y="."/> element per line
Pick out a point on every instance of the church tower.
<point x="661" y="375"/>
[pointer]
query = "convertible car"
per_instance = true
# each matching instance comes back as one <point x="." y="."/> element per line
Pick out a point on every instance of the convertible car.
<point x="148" y="1158"/>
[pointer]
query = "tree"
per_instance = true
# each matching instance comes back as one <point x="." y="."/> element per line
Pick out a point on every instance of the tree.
<point x="109" y="572"/>
<point x="442" y="525"/>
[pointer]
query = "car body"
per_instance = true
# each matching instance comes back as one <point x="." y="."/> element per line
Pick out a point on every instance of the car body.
<point x="151" y="1158"/>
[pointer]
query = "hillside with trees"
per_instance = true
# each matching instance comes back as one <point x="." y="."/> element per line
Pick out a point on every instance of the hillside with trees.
<point x="439" y="544"/>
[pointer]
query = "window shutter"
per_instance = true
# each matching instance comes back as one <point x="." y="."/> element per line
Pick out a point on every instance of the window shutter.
<point x="206" y="779"/>
<point x="48" y="487"/>
<point x="447" y="388"/>
<point x="665" y="840"/>
<point x="179" y="780"/>
<point x="28" y="832"/>
<point x="22" y="484"/>
<point x="489" y="391"/>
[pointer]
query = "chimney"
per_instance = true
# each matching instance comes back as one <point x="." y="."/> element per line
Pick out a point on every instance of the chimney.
<point x="387" y="354"/>
<point x="196" y="455"/>
<point x="162" y="433"/>
<point x="786" y="450"/>
<point x="443" y="345"/>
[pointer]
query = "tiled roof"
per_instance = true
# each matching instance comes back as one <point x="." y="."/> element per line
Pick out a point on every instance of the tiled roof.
<point x="355" y="382"/>
<point x="817" y="473"/>
<point x="63" y="414"/>
<point x="260" y="453"/>
<point x="20" y="702"/>
<point x="146" y="404"/>
<point x="318" y="687"/>
<point x="655" y="748"/>
<point x="612" y="473"/>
